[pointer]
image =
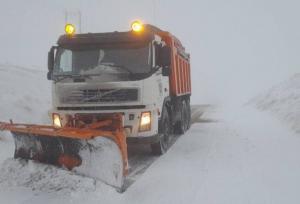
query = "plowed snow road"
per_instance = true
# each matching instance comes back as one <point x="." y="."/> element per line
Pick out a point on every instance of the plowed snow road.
<point x="241" y="156"/>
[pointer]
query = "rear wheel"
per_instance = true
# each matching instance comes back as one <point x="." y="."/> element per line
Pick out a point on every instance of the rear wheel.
<point x="188" y="107"/>
<point x="182" y="125"/>
<point x="164" y="130"/>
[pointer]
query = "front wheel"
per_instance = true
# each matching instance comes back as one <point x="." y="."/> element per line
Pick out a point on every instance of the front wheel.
<point x="164" y="130"/>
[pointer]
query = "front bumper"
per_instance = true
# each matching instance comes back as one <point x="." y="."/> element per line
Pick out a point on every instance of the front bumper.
<point x="131" y="120"/>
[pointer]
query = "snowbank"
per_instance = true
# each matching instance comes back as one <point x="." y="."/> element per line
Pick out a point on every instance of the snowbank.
<point x="24" y="94"/>
<point x="283" y="100"/>
<point x="24" y="97"/>
<point x="42" y="178"/>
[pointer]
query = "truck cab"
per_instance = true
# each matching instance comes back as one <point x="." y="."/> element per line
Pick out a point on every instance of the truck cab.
<point x="144" y="74"/>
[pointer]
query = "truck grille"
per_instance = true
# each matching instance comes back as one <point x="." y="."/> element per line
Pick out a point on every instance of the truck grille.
<point x="99" y="96"/>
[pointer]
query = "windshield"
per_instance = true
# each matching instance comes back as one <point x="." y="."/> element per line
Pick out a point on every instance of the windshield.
<point x="112" y="64"/>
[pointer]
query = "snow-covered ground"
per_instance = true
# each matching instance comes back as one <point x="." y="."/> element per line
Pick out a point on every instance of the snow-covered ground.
<point x="283" y="100"/>
<point x="231" y="155"/>
<point x="24" y="97"/>
<point x="25" y="94"/>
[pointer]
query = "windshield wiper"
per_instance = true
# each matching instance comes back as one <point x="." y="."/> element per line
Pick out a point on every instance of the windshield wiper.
<point x="118" y="66"/>
<point x="65" y="76"/>
<point x="58" y="78"/>
<point x="78" y="76"/>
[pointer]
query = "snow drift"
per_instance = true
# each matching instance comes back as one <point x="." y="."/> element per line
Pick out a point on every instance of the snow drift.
<point x="283" y="100"/>
<point x="24" y="97"/>
<point x="42" y="178"/>
<point x="25" y="94"/>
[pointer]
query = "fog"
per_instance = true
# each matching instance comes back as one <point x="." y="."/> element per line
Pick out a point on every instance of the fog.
<point x="238" y="48"/>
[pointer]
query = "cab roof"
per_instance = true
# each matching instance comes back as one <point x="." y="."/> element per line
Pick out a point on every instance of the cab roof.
<point x="108" y="39"/>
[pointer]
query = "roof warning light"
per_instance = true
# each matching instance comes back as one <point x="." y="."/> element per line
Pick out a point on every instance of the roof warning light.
<point x="70" y="29"/>
<point x="137" y="26"/>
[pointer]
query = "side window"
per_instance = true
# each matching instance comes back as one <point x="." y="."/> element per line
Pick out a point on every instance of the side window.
<point x="66" y="61"/>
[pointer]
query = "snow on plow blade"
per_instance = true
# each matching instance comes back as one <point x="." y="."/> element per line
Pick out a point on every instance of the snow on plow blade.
<point x="98" y="150"/>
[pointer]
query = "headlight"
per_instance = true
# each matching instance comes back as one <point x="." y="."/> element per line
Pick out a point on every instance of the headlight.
<point x="56" y="120"/>
<point x="145" y="121"/>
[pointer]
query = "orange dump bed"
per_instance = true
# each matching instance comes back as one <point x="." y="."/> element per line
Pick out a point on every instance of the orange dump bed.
<point x="180" y="77"/>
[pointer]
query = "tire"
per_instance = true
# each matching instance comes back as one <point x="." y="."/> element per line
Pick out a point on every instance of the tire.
<point x="182" y="126"/>
<point x="188" y="106"/>
<point x="164" y="130"/>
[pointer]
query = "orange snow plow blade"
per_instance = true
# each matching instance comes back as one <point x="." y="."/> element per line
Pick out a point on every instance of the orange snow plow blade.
<point x="98" y="150"/>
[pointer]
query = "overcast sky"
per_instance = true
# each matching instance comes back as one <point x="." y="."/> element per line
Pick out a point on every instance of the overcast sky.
<point x="238" y="47"/>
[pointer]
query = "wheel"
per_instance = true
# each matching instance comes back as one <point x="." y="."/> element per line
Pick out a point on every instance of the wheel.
<point x="164" y="128"/>
<point x="188" y="107"/>
<point x="182" y="125"/>
<point x="186" y="116"/>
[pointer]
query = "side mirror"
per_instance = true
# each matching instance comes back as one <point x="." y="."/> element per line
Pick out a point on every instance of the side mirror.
<point x="50" y="62"/>
<point x="163" y="56"/>
<point x="166" y="71"/>
<point x="49" y="75"/>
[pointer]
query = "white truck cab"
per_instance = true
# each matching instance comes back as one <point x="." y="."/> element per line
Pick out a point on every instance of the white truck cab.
<point x="96" y="74"/>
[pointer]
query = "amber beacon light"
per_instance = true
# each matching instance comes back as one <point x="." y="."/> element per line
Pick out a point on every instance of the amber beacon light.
<point x="70" y="29"/>
<point x="137" y="26"/>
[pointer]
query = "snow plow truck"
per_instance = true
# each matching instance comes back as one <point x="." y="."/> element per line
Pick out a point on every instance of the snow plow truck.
<point x="109" y="89"/>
